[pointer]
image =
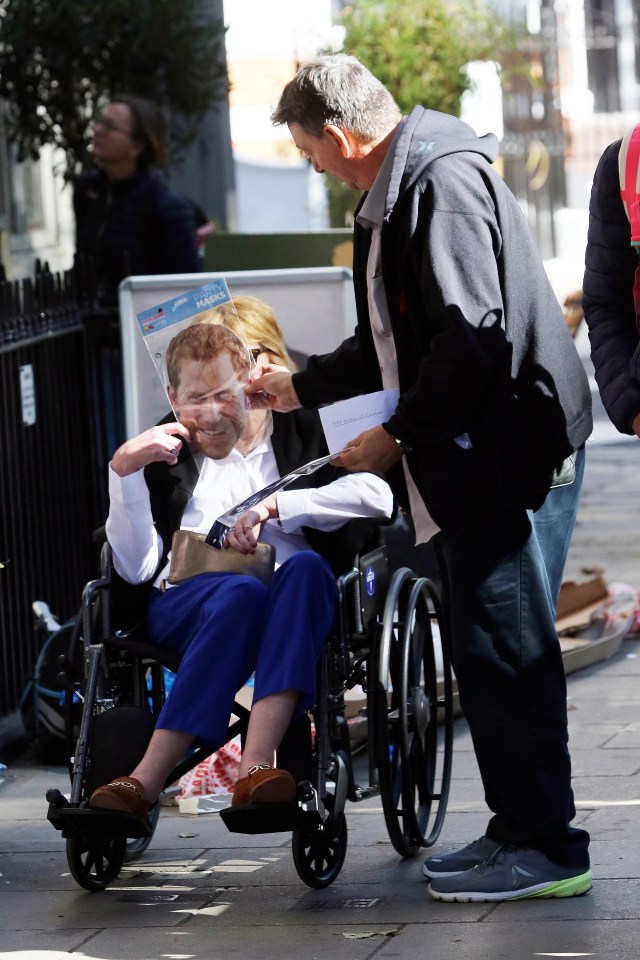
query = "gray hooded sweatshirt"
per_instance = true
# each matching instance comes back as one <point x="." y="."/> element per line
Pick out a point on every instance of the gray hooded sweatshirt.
<point x="482" y="346"/>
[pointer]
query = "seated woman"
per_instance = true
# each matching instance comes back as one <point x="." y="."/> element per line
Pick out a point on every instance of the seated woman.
<point x="184" y="474"/>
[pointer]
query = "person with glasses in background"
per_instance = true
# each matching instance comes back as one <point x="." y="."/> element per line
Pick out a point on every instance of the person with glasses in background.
<point x="127" y="219"/>
<point x="128" y="223"/>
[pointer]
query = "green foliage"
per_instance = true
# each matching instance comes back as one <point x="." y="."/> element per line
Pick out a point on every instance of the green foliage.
<point x="62" y="60"/>
<point x="417" y="48"/>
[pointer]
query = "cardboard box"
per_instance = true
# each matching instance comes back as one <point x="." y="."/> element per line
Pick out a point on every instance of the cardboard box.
<point x="577" y="602"/>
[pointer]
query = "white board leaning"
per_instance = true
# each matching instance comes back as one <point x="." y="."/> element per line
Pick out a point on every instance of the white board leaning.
<point x="314" y="306"/>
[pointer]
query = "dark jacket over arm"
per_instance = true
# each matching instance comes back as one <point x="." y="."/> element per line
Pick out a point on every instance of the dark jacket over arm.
<point x="608" y="304"/>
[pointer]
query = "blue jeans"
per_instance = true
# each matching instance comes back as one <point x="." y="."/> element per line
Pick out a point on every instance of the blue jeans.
<point x="501" y="582"/>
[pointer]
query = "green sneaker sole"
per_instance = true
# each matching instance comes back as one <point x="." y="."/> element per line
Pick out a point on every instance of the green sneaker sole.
<point x="573" y="887"/>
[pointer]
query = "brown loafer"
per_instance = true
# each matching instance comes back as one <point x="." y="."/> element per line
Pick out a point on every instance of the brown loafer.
<point x="264" y="784"/>
<point x="124" y="794"/>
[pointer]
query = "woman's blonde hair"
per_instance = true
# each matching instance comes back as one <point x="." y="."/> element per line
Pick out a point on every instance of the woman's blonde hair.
<point x="254" y="320"/>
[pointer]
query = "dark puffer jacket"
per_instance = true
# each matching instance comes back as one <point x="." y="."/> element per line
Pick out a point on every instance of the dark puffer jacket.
<point x="609" y="311"/>
<point x="132" y="227"/>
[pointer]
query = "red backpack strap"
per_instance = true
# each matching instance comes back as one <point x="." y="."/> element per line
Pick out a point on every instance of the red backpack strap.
<point x="629" y="169"/>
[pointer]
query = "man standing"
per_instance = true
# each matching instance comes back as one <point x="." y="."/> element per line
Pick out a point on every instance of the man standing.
<point x="454" y="309"/>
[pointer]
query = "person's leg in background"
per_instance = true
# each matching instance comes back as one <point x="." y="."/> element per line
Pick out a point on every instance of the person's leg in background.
<point x="554" y="523"/>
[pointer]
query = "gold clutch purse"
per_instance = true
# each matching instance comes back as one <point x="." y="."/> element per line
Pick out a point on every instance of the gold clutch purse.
<point x="190" y="555"/>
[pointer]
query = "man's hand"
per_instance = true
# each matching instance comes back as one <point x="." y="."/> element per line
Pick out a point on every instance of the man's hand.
<point x="635" y="425"/>
<point x="161" y="442"/>
<point x="374" y="451"/>
<point x="243" y="535"/>
<point x="275" y="387"/>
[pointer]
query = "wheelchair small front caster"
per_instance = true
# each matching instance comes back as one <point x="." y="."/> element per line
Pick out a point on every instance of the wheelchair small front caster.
<point x="318" y="855"/>
<point x="95" y="862"/>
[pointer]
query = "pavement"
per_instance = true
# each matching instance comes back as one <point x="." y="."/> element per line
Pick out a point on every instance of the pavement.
<point x="201" y="892"/>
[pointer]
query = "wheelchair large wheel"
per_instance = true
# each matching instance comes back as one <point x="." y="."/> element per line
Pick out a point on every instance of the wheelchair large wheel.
<point x="138" y="845"/>
<point x="95" y="862"/>
<point x="410" y="700"/>
<point x="318" y="855"/>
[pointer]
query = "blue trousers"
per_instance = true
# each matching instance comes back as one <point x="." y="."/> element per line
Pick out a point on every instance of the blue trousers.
<point x="502" y="581"/>
<point x="228" y="626"/>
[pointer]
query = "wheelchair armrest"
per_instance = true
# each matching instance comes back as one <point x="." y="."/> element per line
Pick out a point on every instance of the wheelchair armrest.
<point x="399" y="538"/>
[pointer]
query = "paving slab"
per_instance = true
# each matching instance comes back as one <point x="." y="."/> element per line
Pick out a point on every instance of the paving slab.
<point x="514" y="940"/>
<point x="317" y="942"/>
<point x="41" y="944"/>
<point x="593" y="791"/>
<point x="611" y="763"/>
<point x="588" y="736"/>
<point x="613" y="860"/>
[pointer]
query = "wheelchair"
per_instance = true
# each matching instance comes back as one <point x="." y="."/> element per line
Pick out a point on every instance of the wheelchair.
<point x="385" y="640"/>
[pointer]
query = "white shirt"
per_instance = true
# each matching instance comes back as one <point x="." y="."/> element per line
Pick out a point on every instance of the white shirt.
<point x="371" y="215"/>
<point x="137" y="547"/>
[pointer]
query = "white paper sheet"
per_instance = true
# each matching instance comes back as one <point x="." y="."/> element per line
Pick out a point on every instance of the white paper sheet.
<point x="347" y="419"/>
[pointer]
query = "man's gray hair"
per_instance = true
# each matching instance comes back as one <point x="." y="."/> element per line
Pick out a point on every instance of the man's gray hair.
<point x="339" y="90"/>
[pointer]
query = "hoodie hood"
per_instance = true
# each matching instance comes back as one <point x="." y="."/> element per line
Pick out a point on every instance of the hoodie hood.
<point x="426" y="136"/>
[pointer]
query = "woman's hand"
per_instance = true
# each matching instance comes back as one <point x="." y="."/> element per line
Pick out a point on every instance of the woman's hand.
<point x="245" y="533"/>
<point x="161" y="442"/>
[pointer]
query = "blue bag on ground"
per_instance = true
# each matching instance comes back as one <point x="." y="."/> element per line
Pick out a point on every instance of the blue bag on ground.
<point x="46" y="714"/>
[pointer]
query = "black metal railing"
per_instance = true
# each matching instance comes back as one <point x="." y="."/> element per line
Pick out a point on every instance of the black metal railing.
<point x="53" y="455"/>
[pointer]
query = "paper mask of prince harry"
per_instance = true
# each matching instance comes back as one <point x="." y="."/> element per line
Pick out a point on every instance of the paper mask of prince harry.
<point x="208" y="368"/>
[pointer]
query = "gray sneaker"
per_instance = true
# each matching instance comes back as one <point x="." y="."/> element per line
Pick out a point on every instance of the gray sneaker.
<point x="457" y="862"/>
<point x="512" y="874"/>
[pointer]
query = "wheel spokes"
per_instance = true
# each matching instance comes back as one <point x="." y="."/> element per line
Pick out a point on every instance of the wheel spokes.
<point x="412" y="776"/>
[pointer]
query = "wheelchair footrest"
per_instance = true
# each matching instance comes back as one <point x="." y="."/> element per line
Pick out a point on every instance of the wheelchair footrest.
<point x="270" y="818"/>
<point x="87" y="822"/>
